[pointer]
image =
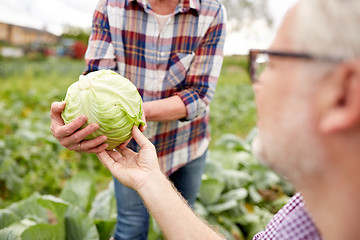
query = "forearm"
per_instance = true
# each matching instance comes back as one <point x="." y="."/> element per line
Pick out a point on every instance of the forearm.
<point x="172" y="213"/>
<point x="167" y="109"/>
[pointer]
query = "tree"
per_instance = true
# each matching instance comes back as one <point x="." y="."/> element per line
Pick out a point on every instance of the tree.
<point x="76" y="33"/>
<point x="245" y="12"/>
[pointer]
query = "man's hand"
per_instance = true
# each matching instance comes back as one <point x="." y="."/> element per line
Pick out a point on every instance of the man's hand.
<point x="71" y="136"/>
<point x="130" y="168"/>
<point x="141" y="172"/>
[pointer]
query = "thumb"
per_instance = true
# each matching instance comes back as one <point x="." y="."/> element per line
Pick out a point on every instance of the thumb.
<point x="105" y="159"/>
<point x="57" y="107"/>
<point x="55" y="113"/>
<point x="139" y="137"/>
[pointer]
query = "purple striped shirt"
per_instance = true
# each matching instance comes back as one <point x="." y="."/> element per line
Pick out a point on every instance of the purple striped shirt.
<point x="184" y="59"/>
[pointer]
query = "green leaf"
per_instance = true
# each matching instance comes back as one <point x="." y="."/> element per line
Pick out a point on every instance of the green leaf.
<point x="9" y="234"/>
<point x="251" y="135"/>
<point x="255" y="195"/>
<point x="29" y="208"/>
<point x="265" y="216"/>
<point x="200" y="209"/>
<point x="220" y="228"/>
<point x="221" y="207"/>
<point x="229" y="159"/>
<point x="236" y="179"/>
<point x="7" y="218"/>
<point x="236" y="194"/>
<point x="104" y="205"/>
<point x="210" y="191"/>
<point x="45" y="232"/>
<point x="79" y="226"/>
<point x="233" y="142"/>
<point x="14" y="231"/>
<point x="237" y="211"/>
<point x="259" y="221"/>
<point x="56" y="205"/>
<point x="213" y="169"/>
<point x="249" y="219"/>
<point x="105" y="228"/>
<point x="154" y="230"/>
<point x="103" y="210"/>
<point x="280" y="202"/>
<point x="253" y="229"/>
<point x="79" y="191"/>
<point x="232" y="227"/>
<point x="9" y="173"/>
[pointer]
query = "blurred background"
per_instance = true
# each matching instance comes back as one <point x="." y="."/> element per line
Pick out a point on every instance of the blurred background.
<point x="48" y="192"/>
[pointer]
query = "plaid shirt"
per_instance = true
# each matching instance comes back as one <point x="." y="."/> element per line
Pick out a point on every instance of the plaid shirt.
<point x="184" y="59"/>
<point x="292" y="222"/>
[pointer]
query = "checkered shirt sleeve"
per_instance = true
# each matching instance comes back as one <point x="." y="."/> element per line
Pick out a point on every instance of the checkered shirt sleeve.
<point x="292" y="222"/>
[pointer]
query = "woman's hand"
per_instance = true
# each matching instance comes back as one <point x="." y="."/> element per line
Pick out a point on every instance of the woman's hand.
<point x="71" y="136"/>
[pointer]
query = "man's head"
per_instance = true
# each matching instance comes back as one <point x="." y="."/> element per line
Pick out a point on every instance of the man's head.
<point x="309" y="102"/>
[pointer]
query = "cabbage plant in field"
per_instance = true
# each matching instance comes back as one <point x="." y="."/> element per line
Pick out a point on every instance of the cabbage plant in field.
<point x="108" y="99"/>
<point x="78" y="213"/>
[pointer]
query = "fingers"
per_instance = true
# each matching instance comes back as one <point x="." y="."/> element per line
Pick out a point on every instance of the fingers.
<point x="126" y="152"/>
<point x="70" y="136"/>
<point x="56" y="109"/>
<point x="92" y="146"/>
<point x="143" y="127"/>
<point x="67" y="137"/>
<point x="105" y="159"/>
<point x="68" y="129"/>
<point x="55" y="114"/>
<point x="114" y="155"/>
<point x="97" y="149"/>
<point x="139" y="137"/>
<point x="124" y="144"/>
<point x="58" y="127"/>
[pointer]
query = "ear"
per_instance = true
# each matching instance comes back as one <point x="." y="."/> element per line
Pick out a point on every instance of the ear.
<point x="343" y="111"/>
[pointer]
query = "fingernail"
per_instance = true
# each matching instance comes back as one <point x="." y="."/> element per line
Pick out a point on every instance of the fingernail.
<point x="83" y="118"/>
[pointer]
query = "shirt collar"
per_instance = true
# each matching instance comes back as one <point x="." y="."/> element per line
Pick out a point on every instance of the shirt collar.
<point x="183" y="6"/>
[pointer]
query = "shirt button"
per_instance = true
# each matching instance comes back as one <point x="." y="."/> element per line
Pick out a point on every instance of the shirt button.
<point x="162" y="54"/>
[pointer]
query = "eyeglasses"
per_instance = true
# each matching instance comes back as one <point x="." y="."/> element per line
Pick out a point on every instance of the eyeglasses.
<point x="259" y="59"/>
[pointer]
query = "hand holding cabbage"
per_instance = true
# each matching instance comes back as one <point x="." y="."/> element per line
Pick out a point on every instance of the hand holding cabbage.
<point x="108" y="99"/>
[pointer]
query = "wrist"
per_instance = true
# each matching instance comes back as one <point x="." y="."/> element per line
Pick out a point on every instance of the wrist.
<point x="157" y="184"/>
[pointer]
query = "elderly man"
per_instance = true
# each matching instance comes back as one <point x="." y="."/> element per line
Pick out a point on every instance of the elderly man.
<point x="308" y="97"/>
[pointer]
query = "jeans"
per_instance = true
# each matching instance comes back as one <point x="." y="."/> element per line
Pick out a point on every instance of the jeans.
<point x="133" y="217"/>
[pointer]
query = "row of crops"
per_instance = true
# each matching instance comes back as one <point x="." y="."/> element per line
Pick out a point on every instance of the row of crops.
<point x="48" y="192"/>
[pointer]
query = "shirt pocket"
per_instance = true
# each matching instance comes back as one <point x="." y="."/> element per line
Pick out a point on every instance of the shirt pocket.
<point x="179" y="65"/>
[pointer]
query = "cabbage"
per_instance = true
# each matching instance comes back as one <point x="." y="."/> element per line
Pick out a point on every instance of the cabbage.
<point x="108" y="99"/>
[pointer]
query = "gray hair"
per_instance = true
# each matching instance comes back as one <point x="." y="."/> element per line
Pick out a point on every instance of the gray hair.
<point x="328" y="28"/>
